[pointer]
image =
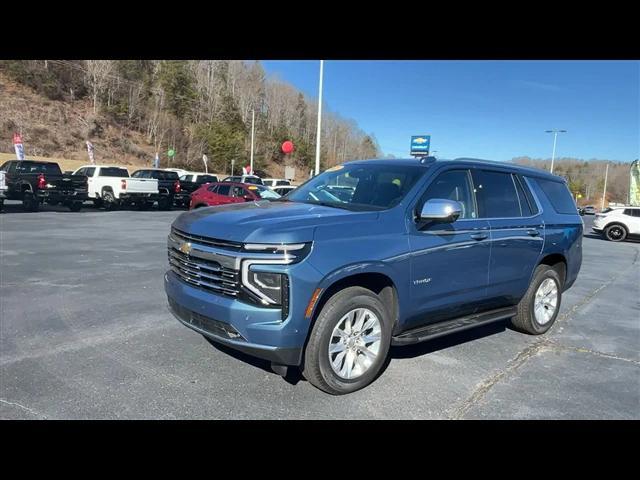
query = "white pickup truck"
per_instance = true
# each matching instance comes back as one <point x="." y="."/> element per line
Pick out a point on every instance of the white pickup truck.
<point x="3" y="189"/>
<point x="112" y="187"/>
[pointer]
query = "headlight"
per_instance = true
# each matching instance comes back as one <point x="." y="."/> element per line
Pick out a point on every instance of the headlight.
<point x="271" y="288"/>
<point x="267" y="285"/>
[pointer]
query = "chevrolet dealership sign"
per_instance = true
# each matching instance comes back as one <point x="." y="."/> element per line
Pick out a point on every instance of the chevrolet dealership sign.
<point x="420" y="145"/>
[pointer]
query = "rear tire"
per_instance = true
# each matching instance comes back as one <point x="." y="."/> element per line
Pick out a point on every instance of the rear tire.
<point x="539" y="307"/>
<point x="109" y="201"/>
<point x="75" y="206"/>
<point x="325" y="359"/>
<point x="165" y="203"/>
<point x="615" y="232"/>
<point x="30" y="202"/>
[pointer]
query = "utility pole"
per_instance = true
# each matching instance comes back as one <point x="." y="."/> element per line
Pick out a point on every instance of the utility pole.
<point x="233" y="160"/>
<point x="318" y="133"/>
<point x="604" y="194"/>
<point x="253" y="119"/>
<point x="555" y="138"/>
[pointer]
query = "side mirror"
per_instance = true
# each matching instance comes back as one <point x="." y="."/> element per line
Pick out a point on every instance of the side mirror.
<point x="440" y="210"/>
<point x="247" y="198"/>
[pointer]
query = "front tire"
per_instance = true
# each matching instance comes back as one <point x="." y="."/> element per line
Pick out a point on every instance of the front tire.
<point x="539" y="307"/>
<point x="615" y="233"/>
<point x="349" y="342"/>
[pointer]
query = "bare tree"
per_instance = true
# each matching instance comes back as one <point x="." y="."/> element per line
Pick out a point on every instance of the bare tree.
<point x="98" y="75"/>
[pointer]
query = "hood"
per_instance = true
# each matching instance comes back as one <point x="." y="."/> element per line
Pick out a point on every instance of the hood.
<point x="266" y="222"/>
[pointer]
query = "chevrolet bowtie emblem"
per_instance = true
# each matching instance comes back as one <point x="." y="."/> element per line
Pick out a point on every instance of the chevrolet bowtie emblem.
<point x="185" y="248"/>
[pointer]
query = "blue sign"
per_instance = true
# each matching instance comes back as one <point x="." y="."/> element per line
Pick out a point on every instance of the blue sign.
<point x="420" y="145"/>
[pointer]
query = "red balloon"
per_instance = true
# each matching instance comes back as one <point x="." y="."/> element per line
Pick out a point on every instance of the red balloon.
<point x="287" y="147"/>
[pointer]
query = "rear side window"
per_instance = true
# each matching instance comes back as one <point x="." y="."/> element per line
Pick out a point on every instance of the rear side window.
<point x="223" y="190"/>
<point x="496" y="194"/>
<point x="527" y="205"/>
<point x="110" y="172"/>
<point x="253" y="180"/>
<point x="632" y="212"/>
<point x="282" y="182"/>
<point x="559" y="196"/>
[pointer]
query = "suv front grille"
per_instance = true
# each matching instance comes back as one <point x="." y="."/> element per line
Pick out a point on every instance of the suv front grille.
<point x="208" y="241"/>
<point x="204" y="274"/>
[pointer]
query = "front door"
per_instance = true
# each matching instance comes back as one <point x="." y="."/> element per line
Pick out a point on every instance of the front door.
<point x="449" y="261"/>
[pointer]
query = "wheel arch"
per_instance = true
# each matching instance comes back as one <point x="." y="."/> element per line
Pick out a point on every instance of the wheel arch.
<point x="375" y="280"/>
<point x="557" y="261"/>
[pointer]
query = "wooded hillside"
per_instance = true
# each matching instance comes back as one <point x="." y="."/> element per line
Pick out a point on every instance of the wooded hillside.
<point x="129" y="109"/>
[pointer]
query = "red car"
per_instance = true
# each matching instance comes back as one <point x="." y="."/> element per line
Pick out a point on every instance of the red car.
<point x="223" y="193"/>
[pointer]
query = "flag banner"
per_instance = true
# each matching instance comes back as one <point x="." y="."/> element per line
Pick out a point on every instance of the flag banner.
<point x="90" y="151"/>
<point x="18" y="146"/>
<point x="634" y="184"/>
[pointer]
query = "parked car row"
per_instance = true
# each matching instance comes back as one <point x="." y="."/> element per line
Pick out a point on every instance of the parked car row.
<point x="111" y="186"/>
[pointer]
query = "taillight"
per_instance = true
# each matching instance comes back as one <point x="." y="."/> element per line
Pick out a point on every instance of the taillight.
<point x="176" y="186"/>
<point x="42" y="182"/>
<point x="123" y="184"/>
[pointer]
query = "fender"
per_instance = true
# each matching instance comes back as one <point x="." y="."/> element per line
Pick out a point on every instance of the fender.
<point x="364" y="267"/>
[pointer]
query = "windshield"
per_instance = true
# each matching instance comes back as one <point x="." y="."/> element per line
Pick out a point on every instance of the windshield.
<point x="359" y="186"/>
<point x="264" y="192"/>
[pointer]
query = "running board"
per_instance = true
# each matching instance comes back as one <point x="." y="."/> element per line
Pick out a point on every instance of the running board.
<point x="446" y="327"/>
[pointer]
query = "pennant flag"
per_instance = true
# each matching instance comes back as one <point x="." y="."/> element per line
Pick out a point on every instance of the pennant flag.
<point x="17" y="144"/>
<point x="90" y="151"/>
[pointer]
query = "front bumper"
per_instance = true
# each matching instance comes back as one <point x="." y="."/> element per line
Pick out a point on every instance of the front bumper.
<point x="223" y="333"/>
<point x="263" y="332"/>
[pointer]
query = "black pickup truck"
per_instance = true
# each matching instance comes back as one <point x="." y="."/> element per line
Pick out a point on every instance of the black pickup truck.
<point x="35" y="182"/>
<point x="169" y="186"/>
<point x="192" y="182"/>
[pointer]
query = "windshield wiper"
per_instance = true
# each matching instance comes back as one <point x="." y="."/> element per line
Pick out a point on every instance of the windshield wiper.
<point x="329" y="204"/>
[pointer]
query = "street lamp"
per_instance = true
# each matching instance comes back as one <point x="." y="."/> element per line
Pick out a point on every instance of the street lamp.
<point x="319" y="131"/>
<point x="555" y="137"/>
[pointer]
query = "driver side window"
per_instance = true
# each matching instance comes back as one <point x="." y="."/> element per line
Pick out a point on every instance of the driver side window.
<point x="453" y="185"/>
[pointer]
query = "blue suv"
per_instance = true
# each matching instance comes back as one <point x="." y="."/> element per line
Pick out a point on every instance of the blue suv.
<point x="375" y="253"/>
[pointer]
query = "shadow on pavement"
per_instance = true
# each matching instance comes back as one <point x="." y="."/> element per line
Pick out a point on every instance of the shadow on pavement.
<point x="410" y="351"/>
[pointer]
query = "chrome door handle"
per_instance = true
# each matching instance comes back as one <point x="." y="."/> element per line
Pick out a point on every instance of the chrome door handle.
<point x="479" y="236"/>
<point x="533" y="233"/>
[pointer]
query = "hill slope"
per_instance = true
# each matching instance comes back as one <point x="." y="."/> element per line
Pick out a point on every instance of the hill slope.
<point x="59" y="129"/>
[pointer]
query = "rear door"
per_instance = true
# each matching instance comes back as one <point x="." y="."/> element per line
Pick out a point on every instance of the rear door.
<point x="517" y="233"/>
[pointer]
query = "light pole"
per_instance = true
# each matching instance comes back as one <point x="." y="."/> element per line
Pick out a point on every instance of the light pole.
<point x="253" y="119"/>
<point x="555" y="138"/>
<point x="319" y="119"/>
<point x="604" y="194"/>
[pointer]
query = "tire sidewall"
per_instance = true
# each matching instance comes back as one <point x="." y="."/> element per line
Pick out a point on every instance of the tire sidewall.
<point x="611" y="227"/>
<point x="539" y="278"/>
<point x="329" y="318"/>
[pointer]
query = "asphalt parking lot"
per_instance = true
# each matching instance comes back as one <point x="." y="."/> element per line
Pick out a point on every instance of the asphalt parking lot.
<point x="85" y="334"/>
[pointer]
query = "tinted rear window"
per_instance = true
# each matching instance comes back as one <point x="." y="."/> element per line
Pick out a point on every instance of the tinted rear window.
<point x="113" y="172"/>
<point x="496" y="194"/>
<point x="38" y="167"/>
<point x="559" y="196"/>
